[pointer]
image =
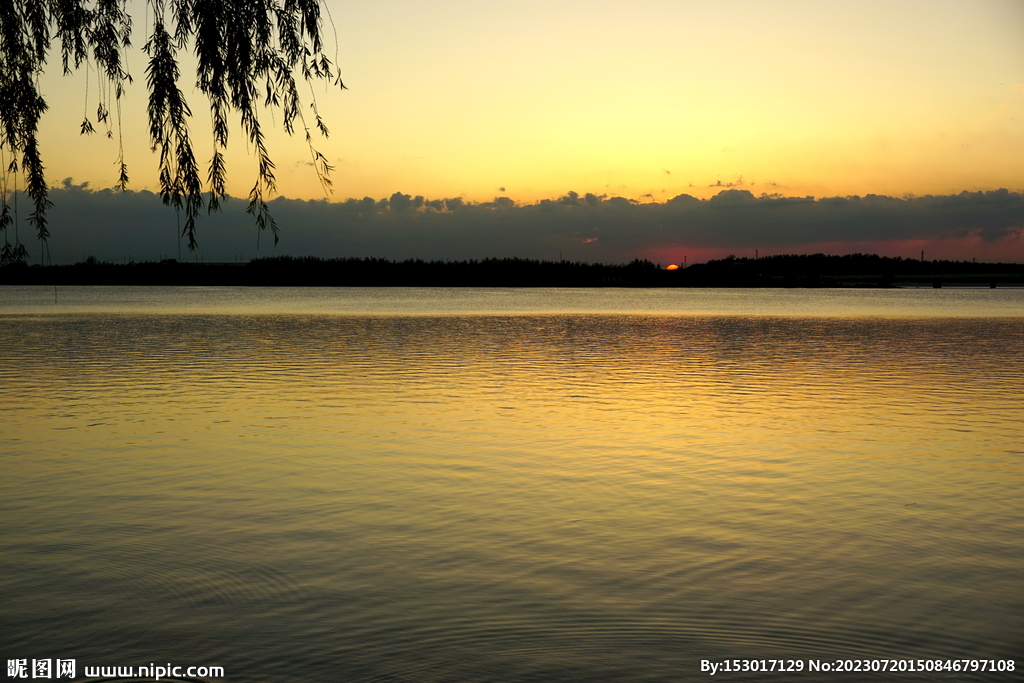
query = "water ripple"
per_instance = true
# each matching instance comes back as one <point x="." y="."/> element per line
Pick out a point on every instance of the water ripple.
<point x="509" y="497"/>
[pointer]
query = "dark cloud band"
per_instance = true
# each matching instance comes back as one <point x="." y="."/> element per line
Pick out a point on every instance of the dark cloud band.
<point x="112" y="225"/>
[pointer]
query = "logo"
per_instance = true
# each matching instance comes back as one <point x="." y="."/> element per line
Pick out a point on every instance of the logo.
<point x="41" y="668"/>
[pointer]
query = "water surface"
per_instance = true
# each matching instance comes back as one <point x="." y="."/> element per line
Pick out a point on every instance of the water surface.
<point x="417" y="485"/>
<point x="912" y="302"/>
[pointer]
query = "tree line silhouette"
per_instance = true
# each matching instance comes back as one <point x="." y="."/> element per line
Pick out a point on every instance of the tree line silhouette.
<point x="788" y="270"/>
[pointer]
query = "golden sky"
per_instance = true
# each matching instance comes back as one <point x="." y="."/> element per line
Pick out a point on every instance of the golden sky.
<point x="645" y="99"/>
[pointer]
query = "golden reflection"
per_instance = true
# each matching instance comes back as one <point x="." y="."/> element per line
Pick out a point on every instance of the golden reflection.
<point x="558" y="473"/>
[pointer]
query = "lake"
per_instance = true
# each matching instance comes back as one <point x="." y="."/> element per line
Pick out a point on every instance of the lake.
<point x="512" y="485"/>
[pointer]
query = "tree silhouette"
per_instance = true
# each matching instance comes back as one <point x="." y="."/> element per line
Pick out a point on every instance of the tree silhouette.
<point x="249" y="54"/>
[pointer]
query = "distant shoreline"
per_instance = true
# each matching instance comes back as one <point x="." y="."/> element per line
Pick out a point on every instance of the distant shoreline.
<point x="816" y="270"/>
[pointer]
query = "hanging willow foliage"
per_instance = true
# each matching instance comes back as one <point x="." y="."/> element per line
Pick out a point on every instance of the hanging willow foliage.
<point x="249" y="54"/>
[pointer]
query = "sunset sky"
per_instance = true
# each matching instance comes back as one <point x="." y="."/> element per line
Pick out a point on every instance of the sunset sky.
<point x="645" y="100"/>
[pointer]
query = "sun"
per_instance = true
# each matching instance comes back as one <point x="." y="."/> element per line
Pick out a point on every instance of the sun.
<point x="672" y="267"/>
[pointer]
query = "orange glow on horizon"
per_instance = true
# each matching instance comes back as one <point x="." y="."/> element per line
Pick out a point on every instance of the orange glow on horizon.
<point x="672" y="267"/>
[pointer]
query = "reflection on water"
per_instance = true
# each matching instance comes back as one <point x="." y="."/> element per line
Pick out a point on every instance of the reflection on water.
<point x="961" y="301"/>
<point x="509" y="497"/>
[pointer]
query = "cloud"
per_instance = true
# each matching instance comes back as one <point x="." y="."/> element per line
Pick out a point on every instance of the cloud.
<point x="112" y="225"/>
